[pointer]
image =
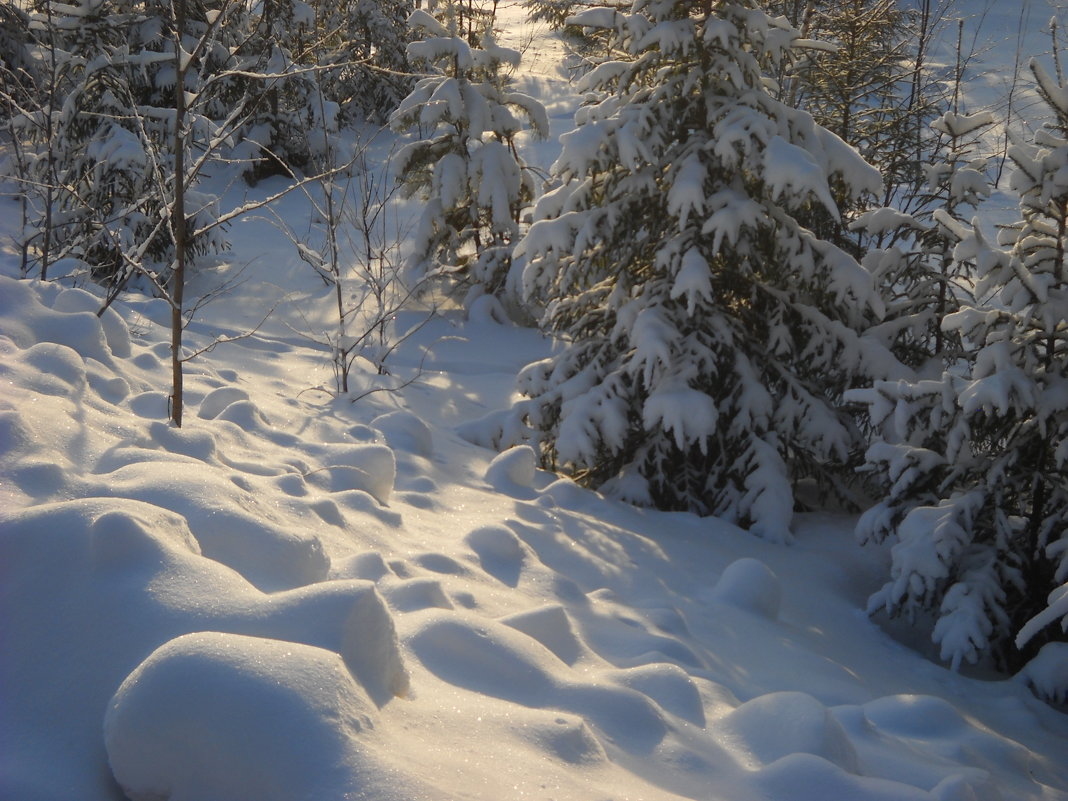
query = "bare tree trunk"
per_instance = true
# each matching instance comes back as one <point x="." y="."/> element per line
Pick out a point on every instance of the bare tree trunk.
<point x="51" y="183"/>
<point x="178" y="222"/>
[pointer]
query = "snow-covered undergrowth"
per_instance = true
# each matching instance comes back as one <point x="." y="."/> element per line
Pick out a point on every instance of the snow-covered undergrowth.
<point x="298" y="597"/>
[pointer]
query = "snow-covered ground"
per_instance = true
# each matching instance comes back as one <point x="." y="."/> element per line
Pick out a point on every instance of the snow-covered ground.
<point x="301" y="597"/>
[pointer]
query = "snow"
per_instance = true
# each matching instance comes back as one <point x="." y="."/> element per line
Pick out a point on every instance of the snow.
<point x="296" y="596"/>
<point x="1049" y="86"/>
<point x="1057" y="610"/>
<point x="1047" y="673"/>
<point x="778" y="725"/>
<point x="689" y="414"/>
<point x="693" y="280"/>
<point x="731" y="211"/>
<point x="199" y="719"/>
<point x="514" y="467"/>
<point x="792" y="172"/>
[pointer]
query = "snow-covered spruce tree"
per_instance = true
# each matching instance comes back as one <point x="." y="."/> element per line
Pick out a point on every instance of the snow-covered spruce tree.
<point x="977" y="460"/>
<point x="97" y="146"/>
<point x="97" y="158"/>
<point x="552" y="12"/>
<point x="466" y="164"/>
<point x="107" y="166"/>
<point x="364" y="44"/>
<point x="282" y="109"/>
<point x="922" y="280"/>
<point x="705" y="334"/>
<point x="152" y="32"/>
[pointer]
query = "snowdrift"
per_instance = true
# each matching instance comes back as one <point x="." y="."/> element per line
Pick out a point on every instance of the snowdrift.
<point x="289" y="600"/>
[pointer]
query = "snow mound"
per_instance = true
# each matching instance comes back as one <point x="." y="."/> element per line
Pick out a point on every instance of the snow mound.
<point x="566" y="738"/>
<point x="172" y="588"/>
<point x="414" y="594"/>
<point x="405" y="432"/>
<point x="246" y="415"/>
<point x="202" y="717"/>
<point x="550" y="626"/>
<point x="216" y="402"/>
<point x="804" y="777"/>
<point x="493" y="659"/>
<point x="957" y="757"/>
<point x="123" y="577"/>
<point x="27" y="320"/>
<point x="369" y="468"/>
<point x="512" y="469"/>
<point x="230" y="523"/>
<point x="1047" y="673"/>
<point x="776" y="725"/>
<point x="920" y="716"/>
<point x="368" y="565"/>
<point x="348" y="617"/>
<point x="499" y="551"/>
<point x="669" y="686"/>
<point x="751" y="585"/>
<point x="116" y="332"/>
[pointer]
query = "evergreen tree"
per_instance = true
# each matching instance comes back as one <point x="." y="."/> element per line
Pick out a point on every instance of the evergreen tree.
<point x="922" y="279"/>
<point x="109" y="162"/>
<point x="364" y="43"/>
<point x="90" y="156"/>
<point x="280" y="96"/>
<point x="976" y="461"/>
<point x="96" y="147"/>
<point x="859" y="91"/>
<point x="467" y="165"/>
<point x="705" y="333"/>
<point x="552" y="12"/>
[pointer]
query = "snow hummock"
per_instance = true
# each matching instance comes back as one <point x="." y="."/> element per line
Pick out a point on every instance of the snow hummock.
<point x="1047" y="673"/>
<point x="513" y="468"/>
<point x="210" y="715"/>
<point x="750" y="584"/>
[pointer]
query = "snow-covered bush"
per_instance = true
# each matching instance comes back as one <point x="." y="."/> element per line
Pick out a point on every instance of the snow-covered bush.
<point x="284" y="117"/>
<point x="976" y="460"/>
<point x="107" y="169"/>
<point x="18" y="70"/>
<point x="466" y="164"/>
<point x="705" y="333"/>
<point x="93" y="154"/>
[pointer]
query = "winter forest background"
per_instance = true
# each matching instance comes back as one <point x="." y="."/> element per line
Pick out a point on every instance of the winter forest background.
<point x="564" y="364"/>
